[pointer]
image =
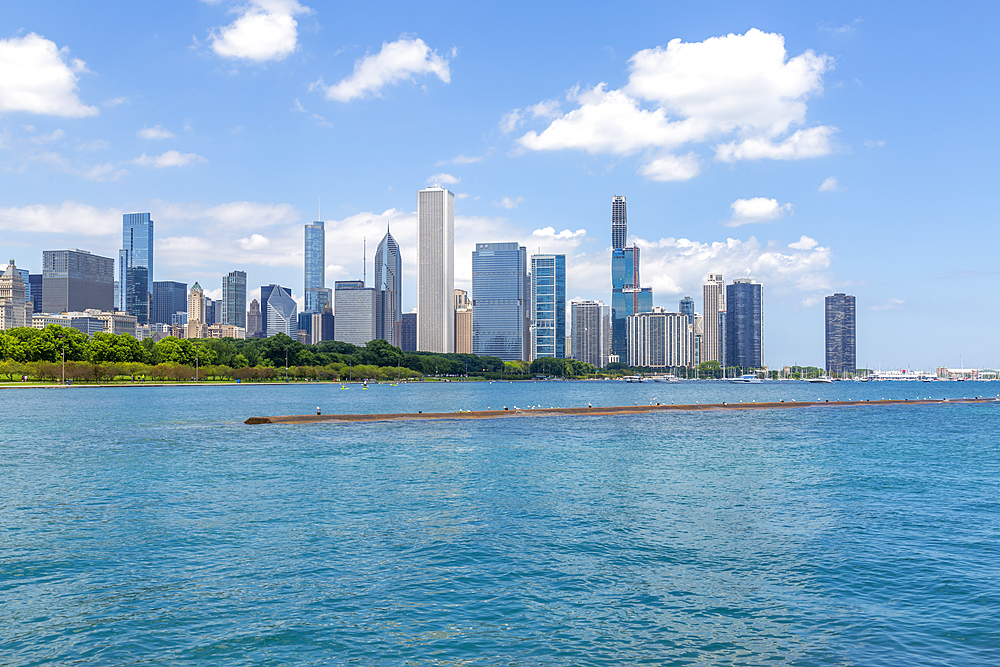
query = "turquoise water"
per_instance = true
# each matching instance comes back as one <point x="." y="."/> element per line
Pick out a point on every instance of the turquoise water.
<point x="150" y="526"/>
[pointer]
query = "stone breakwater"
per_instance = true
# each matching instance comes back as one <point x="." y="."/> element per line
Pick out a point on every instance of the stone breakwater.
<point x="593" y="411"/>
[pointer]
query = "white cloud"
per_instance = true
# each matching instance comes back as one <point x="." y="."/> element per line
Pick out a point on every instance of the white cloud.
<point x="265" y="30"/>
<point x="255" y="242"/>
<point x="168" y="159"/>
<point x="397" y="61"/>
<point x="874" y="143"/>
<point x="67" y="218"/>
<point x="459" y="159"/>
<point x="93" y="145"/>
<point x="35" y="77"/>
<point x="157" y="132"/>
<point x="830" y="185"/>
<point x="891" y="304"/>
<point x="804" y="243"/>
<point x="53" y="136"/>
<point x="443" y="179"/>
<point x="743" y="86"/>
<point x="758" y="209"/>
<point x="116" y="101"/>
<point x="843" y="29"/>
<point x="509" y="203"/>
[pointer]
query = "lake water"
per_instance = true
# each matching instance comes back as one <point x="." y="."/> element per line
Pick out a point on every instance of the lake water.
<point x="150" y="526"/>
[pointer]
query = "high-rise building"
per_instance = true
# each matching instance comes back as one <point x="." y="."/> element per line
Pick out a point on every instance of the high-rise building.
<point x="282" y="313"/>
<point x="463" y="322"/>
<point x="408" y="332"/>
<point x="660" y="340"/>
<point x="255" y="320"/>
<point x="354" y="309"/>
<point x="135" y="265"/>
<point x="322" y="326"/>
<point x="435" y="270"/>
<point x="501" y="294"/>
<point x="548" y="306"/>
<point x="628" y="297"/>
<point x="591" y="326"/>
<point x="744" y="324"/>
<point x="315" y="268"/>
<point x="75" y="280"/>
<point x="15" y="310"/>
<point x="265" y="294"/>
<point x="197" y="326"/>
<point x="35" y="280"/>
<point x="169" y="297"/>
<point x="841" y="330"/>
<point x="686" y="306"/>
<point x="388" y="289"/>
<point x="714" y="303"/>
<point x="234" y="299"/>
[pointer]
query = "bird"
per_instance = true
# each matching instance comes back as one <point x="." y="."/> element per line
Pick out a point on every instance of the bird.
<point x="589" y="405"/>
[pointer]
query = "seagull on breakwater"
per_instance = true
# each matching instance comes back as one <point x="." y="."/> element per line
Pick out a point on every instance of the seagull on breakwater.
<point x="589" y="405"/>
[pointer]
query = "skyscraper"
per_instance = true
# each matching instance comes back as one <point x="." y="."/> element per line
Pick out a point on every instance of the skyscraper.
<point x="628" y="297"/>
<point x="388" y="290"/>
<point x="35" y="280"/>
<point x="15" y="310"/>
<point x="714" y="303"/>
<point x="135" y="265"/>
<point x="591" y="325"/>
<point x="744" y="324"/>
<point x="317" y="297"/>
<point x="435" y="270"/>
<point x="841" y="330"/>
<point x="234" y="299"/>
<point x="282" y="313"/>
<point x="408" y="332"/>
<point x="501" y="296"/>
<point x="463" y="322"/>
<point x="265" y="294"/>
<point x="75" y="280"/>
<point x="169" y="297"/>
<point x="354" y="312"/>
<point x="548" y="306"/>
<point x="660" y="340"/>
<point x="687" y="307"/>
<point x="197" y="326"/>
<point x="255" y="320"/>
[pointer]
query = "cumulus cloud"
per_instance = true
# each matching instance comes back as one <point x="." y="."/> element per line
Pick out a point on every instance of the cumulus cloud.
<point x="265" y="30"/>
<point x="255" y="242"/>
<point x="829" y="185"/>
<point x="168" y="159"/>
<point x="397" y="62"/>
<point x="443" y="179"/>
<point x="758" y="209"/>
<point x="38" y="77"/>
<point x="509" y="203"/>
<point x="157" y="132"/>
<point x="739" y="86"/>
<point x="67" y="218"/>
<point x="804" y="243"/>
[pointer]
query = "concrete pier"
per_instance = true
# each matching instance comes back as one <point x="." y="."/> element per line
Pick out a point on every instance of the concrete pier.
<point x="594" y="412"/>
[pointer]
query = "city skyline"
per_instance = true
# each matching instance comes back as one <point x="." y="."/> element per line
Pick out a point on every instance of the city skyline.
<point x="845" y="207"/>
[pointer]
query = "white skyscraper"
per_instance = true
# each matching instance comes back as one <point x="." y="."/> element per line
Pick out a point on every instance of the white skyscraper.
<point x="435" y="270"/>
<point x="714" y="296"/>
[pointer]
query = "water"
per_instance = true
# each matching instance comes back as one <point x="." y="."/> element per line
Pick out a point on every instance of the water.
<point x="150" y="526"/>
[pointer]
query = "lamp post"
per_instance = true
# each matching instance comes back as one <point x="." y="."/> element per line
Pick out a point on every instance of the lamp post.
<point x="196" y="364"/>
<point x="286" y="364"/>
<point x="63" y="337"/>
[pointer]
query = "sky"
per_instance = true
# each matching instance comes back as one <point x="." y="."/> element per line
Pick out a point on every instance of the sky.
<point x="814" y="147"/>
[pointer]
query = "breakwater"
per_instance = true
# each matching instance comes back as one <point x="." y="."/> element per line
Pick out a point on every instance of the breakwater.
<point x="591" y="411"/>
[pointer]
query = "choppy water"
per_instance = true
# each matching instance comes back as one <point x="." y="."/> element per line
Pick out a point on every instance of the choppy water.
<point x="150" y="526"/>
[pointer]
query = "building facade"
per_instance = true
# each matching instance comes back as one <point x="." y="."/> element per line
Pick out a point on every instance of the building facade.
<point x="628" y="297"/>
<point x="463" y="322"/>
<point x="265" y="294"/>
<point x="15" y="309"/>
<point x="196" y="326"/>
<point x="744" y="324"/>
<point x="135" y="265"/>
<point x="234" y="299"/>
<point x="388" y="290"/>
<point x="501" y="294"/>
<point x="714" y="303"/>
<point x="254" y="320"/>
<point x="315" y="268"/>
<point x="282" y="313"/>
<point x="169" y="297"/>
<point x="841" y="335"/>
<point x="75" y="280"/>
<point x="354" y="310"/>
<point x="408" y="332"/>
<point x="548" y="306"/>
<point x="435" y="270"/>
<point x="659" y="339"/>
<point x="591" y="329"/>
<point x="322" y="326"/>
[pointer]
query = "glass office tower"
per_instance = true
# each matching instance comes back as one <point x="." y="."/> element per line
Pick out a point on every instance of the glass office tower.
<point x="317" y="297"/>
<point x="234" y="299"/>
<point x="388" y="290"/>
<point x="548" y="306"/>
<point x="169" y="298"/>
<point x="135" y="265"/>
<point x="627" y="296"/>
<point x="501" y="296"/>
<point x="744" y="324"/>
<point x="75" y="280"/>
<point x="841" y="333"/>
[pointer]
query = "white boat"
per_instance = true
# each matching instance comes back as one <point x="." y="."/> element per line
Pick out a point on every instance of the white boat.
<point x="634" y="378"/>
<point x="823" y="379"/>
<point x="748" y="378"/>
<point x="669" y="377"/>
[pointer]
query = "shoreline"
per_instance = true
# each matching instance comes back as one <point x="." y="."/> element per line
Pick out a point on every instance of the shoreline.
<point x="592" y="411"/>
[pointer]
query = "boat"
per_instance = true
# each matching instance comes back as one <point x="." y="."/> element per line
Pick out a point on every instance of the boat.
<point x="748" y="378"/>
<point x="669" y="377"/>
<point x="823" y="379"/>
<point x="634" y="378"/>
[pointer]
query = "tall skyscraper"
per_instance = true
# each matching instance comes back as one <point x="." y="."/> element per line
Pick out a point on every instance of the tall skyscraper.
<point x="501" y="295"/>
<point x="322" y="327"/>
<point x="75" y="280"/>
<point x="744" y="324"/>
<point x="234" y="299"/>
<point x="687" y="307"/>
<point x="169" y="297"/>
<point x="135" y="265"/>
<point x="463" y="322"/>
<point x="591" y="325"/>
<point x="265" y="294"/>
<point x="408" y="332"/>
<point x="255" y="320"/>
<point x="212" y="309"/>
<point x="841" y="330"/>
<point x="15" y="310"/>
<point x="714" y="303"/>
<point x="388" y="290"/>
<point x="628" y="297"/>
<point x="660" y="340"/>
<point x="317" y="296"/>
<point x="354" y="312"/>
<point x="548" y="306"/>
<point x="435" y="270"/>
<point x="282" y="313"/>
<point x="197" y="326"/>
<point x="35" y="279"/>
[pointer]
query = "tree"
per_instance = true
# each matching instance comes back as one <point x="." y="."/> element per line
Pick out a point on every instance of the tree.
<point x="710" y="369"/>
<point x="12" y="368"/>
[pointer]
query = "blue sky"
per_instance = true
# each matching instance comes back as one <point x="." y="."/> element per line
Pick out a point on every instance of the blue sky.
<point x="848" y="147"/>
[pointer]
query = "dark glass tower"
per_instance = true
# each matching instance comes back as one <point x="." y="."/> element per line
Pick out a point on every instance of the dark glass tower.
<point x="317" y="296"/>
<point x="135" y="265"/>
<point x="627" y="297"/>
<point x="169" y="298"/>
<point x="501" y="294"/>
<point x="744" y="324"/>
<point x="841" y="329"/>
<point x="388" y="290"/>
<point x="687" y="308"/>
<point x="548" y="306"/>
